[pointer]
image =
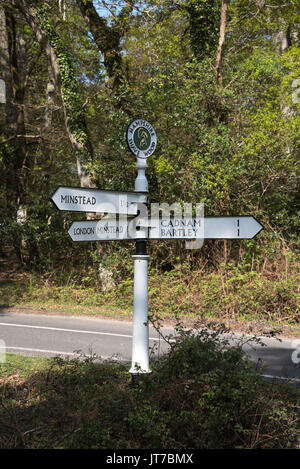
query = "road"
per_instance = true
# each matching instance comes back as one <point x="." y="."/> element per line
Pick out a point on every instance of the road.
<point x="51" y="335"/>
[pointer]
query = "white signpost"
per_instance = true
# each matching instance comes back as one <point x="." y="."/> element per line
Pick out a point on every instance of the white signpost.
<point x="205" y="228"/>
<point x="141" y="139"/>
<point x="78" y="199"/>
<point x="112" y="229"/>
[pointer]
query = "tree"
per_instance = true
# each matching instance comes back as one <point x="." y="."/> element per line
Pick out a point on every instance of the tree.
<point x="64" y="76"/>
<point x="204" y="19"/>
<point x="260" y="68"/>
<point x="14" y="74"/>
<point x="108" y="38"/>
<point x="229" y="142"/>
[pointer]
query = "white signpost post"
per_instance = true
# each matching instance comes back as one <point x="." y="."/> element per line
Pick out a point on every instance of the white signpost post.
<point x="141" y="139"/>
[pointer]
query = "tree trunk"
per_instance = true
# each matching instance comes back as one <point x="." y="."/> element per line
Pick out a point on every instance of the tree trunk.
<point x="10" y="108"/>
<point x="14" y="152"/>
<point x="12" y="59"/>
<point x="48" y="112"/>
<point x="282" y="40"/>
<point x="220" y="51"/>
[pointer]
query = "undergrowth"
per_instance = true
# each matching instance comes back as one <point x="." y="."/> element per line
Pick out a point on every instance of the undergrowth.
<point x="230" y="293"/>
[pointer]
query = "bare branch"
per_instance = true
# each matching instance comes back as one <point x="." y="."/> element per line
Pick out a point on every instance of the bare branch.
<point x="33" y="137"/>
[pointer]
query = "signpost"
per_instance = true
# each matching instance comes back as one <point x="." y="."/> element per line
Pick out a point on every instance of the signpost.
<point x="142" y="141"/>
<point x="205" y="228"/>
<point x="76" y="199"/>
<point x="112" y="229"/>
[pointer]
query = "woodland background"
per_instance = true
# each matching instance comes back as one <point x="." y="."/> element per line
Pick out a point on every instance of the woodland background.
<point x="219" y="81"/>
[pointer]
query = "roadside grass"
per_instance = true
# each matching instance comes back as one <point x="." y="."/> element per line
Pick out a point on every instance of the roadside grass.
<point x="229" y="294"/>
<point x="34" y="292"/>
<point x="201" y="395"/>
<point x="21" y="367"/>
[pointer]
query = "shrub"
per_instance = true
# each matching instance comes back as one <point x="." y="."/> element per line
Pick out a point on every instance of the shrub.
<point x="215" y="399"/>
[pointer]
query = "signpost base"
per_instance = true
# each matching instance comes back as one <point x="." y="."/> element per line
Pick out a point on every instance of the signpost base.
<point x="140" y="337"/>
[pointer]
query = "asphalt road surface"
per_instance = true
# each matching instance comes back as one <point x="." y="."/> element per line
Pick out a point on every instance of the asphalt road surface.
<point x="52" y="335"/>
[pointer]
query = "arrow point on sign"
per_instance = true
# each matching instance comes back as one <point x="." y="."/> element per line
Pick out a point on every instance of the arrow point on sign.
<point x="53" y="197"/>
<point x="257" y="227"/>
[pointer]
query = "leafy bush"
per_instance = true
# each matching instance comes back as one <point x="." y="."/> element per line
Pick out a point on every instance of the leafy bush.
<point x="215" y="399"/>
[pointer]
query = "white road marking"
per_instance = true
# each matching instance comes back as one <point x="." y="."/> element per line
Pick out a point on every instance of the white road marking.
<point x="283" y="378"/>
<point x="56" y="352"/>
<point x="71" y="330"/>
<point x="38" y="350"/>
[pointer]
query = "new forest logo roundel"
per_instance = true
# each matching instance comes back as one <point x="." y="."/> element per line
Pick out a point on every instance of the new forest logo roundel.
<point x="141" y="138"/>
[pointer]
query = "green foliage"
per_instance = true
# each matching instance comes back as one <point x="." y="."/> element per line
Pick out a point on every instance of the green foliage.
<point x="267" y="155"/>
<point x="214" y="396"/>
<point x="232" y="294"/>
<point x="204" y="20"/>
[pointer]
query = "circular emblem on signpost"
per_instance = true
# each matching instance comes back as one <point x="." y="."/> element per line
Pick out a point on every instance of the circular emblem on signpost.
<point x="141" y="138"/>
